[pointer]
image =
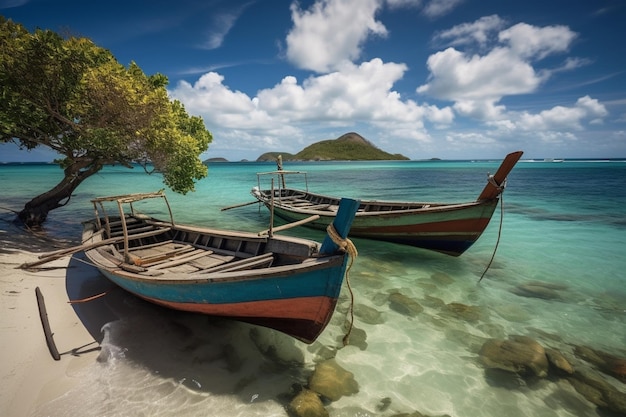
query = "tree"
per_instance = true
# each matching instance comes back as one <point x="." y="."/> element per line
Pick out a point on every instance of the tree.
<point x="73" y="97"/>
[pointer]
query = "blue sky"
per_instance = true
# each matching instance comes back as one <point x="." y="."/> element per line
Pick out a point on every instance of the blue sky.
<point x="454" y="79"/>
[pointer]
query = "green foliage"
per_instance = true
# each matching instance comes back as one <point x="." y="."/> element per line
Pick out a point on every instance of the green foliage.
<point x="75" y="98"/>
<point x="349" y="147"/>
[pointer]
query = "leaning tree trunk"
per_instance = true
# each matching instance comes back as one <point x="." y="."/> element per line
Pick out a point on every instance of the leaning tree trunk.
<point x="36" y="211"/>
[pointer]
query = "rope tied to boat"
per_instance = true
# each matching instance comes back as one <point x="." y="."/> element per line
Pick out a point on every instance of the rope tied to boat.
<point x="344" y="244"/>
<point x="348" y="247"/>
<point x="500" y="187"/>
<point x="493" y="255"/>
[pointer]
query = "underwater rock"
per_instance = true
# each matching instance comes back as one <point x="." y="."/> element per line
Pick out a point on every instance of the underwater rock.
<point x="504" y="379"/>
<point x="556" y="359"/>
<point x="598" y="391"/>
<point x="537" y="289"/>
<point x="368" y="314"/>
<point x="433" y="302"/>
<point x="332" y="381"/>
<point x="307" y="404"/>
<point x="607" y="363"/>
<point x="383" y="404"/>
<point x="404" y="305"/>
<point x="519" y="354"/>
<point x="357" y="337"/>
<point x="462" y="311"/>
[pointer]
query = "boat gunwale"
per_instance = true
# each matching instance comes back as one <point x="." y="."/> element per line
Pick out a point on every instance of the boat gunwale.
<point x="313" y="262"/>
<point x="426" y="206"/>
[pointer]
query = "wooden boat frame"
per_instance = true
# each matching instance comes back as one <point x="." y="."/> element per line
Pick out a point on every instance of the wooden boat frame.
<point x="281" y="282"/>
<point x="449" y="228"/>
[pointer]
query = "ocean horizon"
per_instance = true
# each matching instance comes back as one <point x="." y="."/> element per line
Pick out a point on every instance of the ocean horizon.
<point x="557" y="278"/>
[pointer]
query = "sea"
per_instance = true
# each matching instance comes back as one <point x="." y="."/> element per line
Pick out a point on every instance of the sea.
<point x="553" y="268"/>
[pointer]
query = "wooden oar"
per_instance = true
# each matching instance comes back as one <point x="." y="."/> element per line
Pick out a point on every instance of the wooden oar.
<point x="69" y="251"/>
<point x="239" y="205"/>
<point x="491" y="190"/>
<point x="290" y="225"/>
<point x="85" y="246"/>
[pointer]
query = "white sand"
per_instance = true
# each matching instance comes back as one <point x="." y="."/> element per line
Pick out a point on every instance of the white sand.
<point x="29" y="375"/>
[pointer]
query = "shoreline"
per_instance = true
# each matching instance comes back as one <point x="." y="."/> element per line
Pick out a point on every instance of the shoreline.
<point x="30" y="376"/>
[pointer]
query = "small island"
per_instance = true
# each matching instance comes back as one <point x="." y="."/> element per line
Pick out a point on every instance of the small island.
<point x="348" y="147"/>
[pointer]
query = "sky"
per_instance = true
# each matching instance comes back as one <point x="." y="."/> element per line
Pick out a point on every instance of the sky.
<point x="451" y="79"/>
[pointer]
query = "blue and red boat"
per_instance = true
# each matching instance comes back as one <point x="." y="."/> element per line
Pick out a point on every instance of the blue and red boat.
<point x="284" y="283"/>
<point x="449" y="228"/>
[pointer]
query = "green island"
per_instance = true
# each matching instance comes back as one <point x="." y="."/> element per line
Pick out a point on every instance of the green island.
<point x="348" y="147"/>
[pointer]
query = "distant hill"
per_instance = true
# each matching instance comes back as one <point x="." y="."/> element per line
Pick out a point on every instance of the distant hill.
<point x="271" y="156"/>
<point x="348" y="147"/>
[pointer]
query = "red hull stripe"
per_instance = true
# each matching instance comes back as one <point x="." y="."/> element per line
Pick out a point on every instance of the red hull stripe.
<point x="303" y="318"/>
<point x="448" y="227"/>
<point x="305" y="308"/>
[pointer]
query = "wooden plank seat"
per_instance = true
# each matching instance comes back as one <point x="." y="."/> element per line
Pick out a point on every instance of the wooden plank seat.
<point x="182" y="259"/>
<point x="318" y="207"/>
<point x="147" y="256"/>
<point x="259" y="261"/>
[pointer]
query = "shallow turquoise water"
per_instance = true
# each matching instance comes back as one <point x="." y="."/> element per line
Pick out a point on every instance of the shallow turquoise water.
<point x="563" y="226"/>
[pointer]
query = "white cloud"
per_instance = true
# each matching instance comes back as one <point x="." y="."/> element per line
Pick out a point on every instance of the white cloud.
<point x="331" y="32"/>
<point x="481" y="32"/>
<point x="395" y="4"/>
<point x="477" y="82"/>
<point x="558" y="118"/>
<point x="438" y="8"/>
<point x="221" y="24"/>
<point x="456" y="76"/>
<point x="531" y="42"/>
<point x="353" y="95"/>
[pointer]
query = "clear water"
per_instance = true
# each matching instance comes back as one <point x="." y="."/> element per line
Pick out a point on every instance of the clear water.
<point x="563" y="226"/>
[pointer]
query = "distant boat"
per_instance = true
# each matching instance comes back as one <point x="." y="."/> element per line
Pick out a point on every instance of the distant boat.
<point x="552" y="160"/>
<point x="449" y="228"/>
<point x="284" y="283"/>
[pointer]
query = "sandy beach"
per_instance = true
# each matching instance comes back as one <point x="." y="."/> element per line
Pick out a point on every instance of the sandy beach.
<point x="30" y="376"/>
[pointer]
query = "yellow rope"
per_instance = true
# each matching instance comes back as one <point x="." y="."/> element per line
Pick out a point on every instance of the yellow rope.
<point x="347" y="246"/>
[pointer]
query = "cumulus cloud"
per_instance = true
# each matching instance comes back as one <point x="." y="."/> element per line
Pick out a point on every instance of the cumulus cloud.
<point x="331" y="33"/>
<point x="353" y="94"/>
<point x="557" y="118"/>
<point x="530" y="42"/>
<point x="477" y="82"/>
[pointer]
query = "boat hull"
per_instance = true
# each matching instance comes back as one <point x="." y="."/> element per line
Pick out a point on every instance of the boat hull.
<point x="285" y="283"/>
<point x="448" y="229"/>
<point x="442" y="227"/>
<point x="298" y="303"/>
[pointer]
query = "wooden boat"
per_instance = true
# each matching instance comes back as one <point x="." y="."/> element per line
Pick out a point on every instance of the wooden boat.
<point x="284" y="283"/>
<point x="449" y="228"/>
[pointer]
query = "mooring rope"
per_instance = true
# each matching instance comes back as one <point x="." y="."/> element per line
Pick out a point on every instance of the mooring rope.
<point x="347" y="246"/>
<point x="491" y="180"/>
<point x="493" y="255"/>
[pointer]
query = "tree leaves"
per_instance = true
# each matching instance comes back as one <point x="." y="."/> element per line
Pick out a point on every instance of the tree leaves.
<point x="72" y="96"/>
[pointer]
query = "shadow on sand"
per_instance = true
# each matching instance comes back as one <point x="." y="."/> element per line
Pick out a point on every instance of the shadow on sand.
<point x="205" y="354"/>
